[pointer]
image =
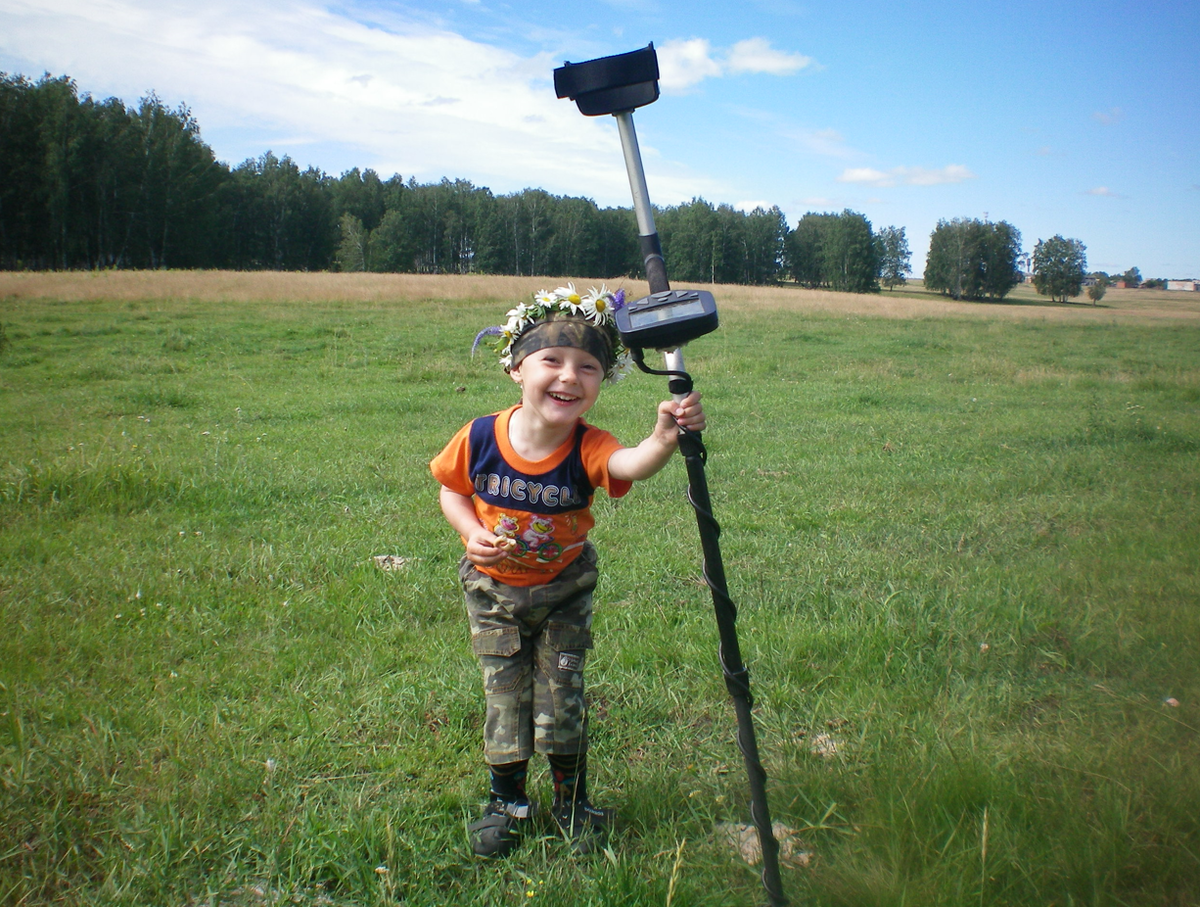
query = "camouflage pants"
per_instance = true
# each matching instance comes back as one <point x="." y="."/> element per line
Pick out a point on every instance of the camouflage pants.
<point x="532" y="642"/>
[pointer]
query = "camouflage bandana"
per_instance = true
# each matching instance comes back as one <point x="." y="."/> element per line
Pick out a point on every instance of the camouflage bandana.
<point x="564" y="317"/>
<point x="565" y="330"/>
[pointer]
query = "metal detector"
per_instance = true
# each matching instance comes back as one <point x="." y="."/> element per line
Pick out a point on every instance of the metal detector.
<point x="664" y="321"/>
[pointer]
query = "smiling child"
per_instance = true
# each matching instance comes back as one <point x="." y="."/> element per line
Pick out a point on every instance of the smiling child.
<point x="517" y="486"/>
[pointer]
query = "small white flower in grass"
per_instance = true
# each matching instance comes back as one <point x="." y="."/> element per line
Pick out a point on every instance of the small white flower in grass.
<point x="271" y="765"/>
<point x="1172" y="702"/>
<point x="381" y="870"/>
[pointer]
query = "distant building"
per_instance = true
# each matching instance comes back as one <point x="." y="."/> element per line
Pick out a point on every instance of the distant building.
<point x="1192" y="286"/>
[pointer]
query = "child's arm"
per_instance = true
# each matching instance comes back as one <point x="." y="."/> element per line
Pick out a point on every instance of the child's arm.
<point x="483" y="548"/>
<point x="632" y="464"/>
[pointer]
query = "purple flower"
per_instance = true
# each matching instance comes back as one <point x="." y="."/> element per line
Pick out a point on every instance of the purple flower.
<point x="619" y="300"/>
<point x="493" y="331"/>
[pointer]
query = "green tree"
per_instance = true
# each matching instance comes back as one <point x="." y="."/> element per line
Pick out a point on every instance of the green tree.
<point x="837" y="251"/>
<point x="895" y="259"/>
<point x="281" y="216"/>
<point x="805" y="250"/>
<point x="1132" y="278"/>
<point x="177" y="180"/>
<point x="973" y="259"/>
<point x="1000" y="252"/>
<point x="851" y="262"/>
<point x="1058" y="267"/>
<point x="20" y="176"/>
<point x="761" y="245"/>
<point x="1097" y="289"/>
<point x="362" y="195"/>
<point x="693" y="239"/>
<point x="353" y="250"/>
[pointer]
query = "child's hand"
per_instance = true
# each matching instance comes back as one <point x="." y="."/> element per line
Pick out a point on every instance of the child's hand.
<point x="632" y="464"/>
<point x="687" y="413"/>
<point x="485" y="549"/>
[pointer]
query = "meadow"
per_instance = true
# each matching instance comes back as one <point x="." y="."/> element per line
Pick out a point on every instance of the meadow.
<point x="964" y="541"/>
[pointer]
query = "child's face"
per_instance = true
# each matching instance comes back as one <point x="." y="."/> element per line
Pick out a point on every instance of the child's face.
<point x="559" y="383"/>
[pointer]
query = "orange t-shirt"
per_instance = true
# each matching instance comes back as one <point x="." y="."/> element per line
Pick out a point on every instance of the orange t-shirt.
<point x="543" y="506"/>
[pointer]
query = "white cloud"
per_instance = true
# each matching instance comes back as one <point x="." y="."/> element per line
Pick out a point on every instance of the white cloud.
<point x="401" y="97"/>
<point x="682" y="64"/>
<point x="908" y="176"/>
<point x="757" y="55"/>
<point x="866" y="175"/>
<point x="919" y="176"/>
<point x="1109" y="117"/>
<point x="685" y="63"/>
<point x="826" y="142"/>
<point x="1104" y="192"/>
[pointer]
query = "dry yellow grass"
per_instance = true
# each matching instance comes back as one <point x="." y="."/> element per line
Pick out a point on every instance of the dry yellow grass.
<point x="1146" y="306"/>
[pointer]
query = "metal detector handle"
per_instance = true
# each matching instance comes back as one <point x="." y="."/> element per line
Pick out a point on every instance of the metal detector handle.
<point x="674" y="359"/>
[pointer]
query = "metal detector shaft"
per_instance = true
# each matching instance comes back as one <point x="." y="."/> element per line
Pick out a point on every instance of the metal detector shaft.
<point x="737" y="678"/>
<point x="652" y="257"/>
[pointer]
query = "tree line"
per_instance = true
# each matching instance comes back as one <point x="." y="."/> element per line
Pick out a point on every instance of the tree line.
<point x="96" y="184"/>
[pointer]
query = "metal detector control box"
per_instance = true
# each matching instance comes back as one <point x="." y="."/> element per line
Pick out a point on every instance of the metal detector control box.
<point x="667" y="320"/>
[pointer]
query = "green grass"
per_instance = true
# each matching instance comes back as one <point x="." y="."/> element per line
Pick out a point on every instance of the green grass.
<point x="968" y="551"/>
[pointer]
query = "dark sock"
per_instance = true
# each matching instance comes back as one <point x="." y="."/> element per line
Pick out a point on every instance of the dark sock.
<point x="508" y="781"/>
<point x="570" y="777"/>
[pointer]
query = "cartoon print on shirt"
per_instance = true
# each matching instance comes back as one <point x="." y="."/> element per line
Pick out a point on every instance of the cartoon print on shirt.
<point x="505" y="530"/>
<point x="540" y="530"/>
<point x="507" y="526"/>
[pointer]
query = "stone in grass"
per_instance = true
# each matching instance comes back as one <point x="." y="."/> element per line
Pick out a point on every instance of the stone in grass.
<point x="744" y="839"/>
<point x="390" y="562"/>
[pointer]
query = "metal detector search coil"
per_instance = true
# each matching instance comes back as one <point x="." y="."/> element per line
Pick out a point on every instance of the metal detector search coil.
<point x="610" y="84"/>
<point x="667" y="320"/>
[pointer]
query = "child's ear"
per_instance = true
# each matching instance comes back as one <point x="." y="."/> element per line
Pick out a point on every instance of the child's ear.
<point x="515" y="373"/>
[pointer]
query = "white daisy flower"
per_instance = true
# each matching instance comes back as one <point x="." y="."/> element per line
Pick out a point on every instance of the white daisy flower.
<point x="623" y="367"/>
<point x="597" y="309"/>
<point x="569" y="298"/>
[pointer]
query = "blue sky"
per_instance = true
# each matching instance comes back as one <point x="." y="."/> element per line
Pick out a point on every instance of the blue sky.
<point x="1061" y="116"/>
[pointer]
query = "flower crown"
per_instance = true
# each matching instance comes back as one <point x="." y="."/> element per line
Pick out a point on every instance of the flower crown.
<point x="596" y="307"/>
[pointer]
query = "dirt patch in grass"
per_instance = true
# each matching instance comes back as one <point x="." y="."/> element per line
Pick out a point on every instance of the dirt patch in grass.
<point x="912" y="301"/>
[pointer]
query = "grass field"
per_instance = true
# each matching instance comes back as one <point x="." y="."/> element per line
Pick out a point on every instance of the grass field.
<point x="964" y="540"/>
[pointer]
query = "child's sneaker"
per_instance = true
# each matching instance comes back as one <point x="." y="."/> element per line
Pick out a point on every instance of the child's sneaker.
<point x="499" y="831"/>
<point x="584" y="825"/>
